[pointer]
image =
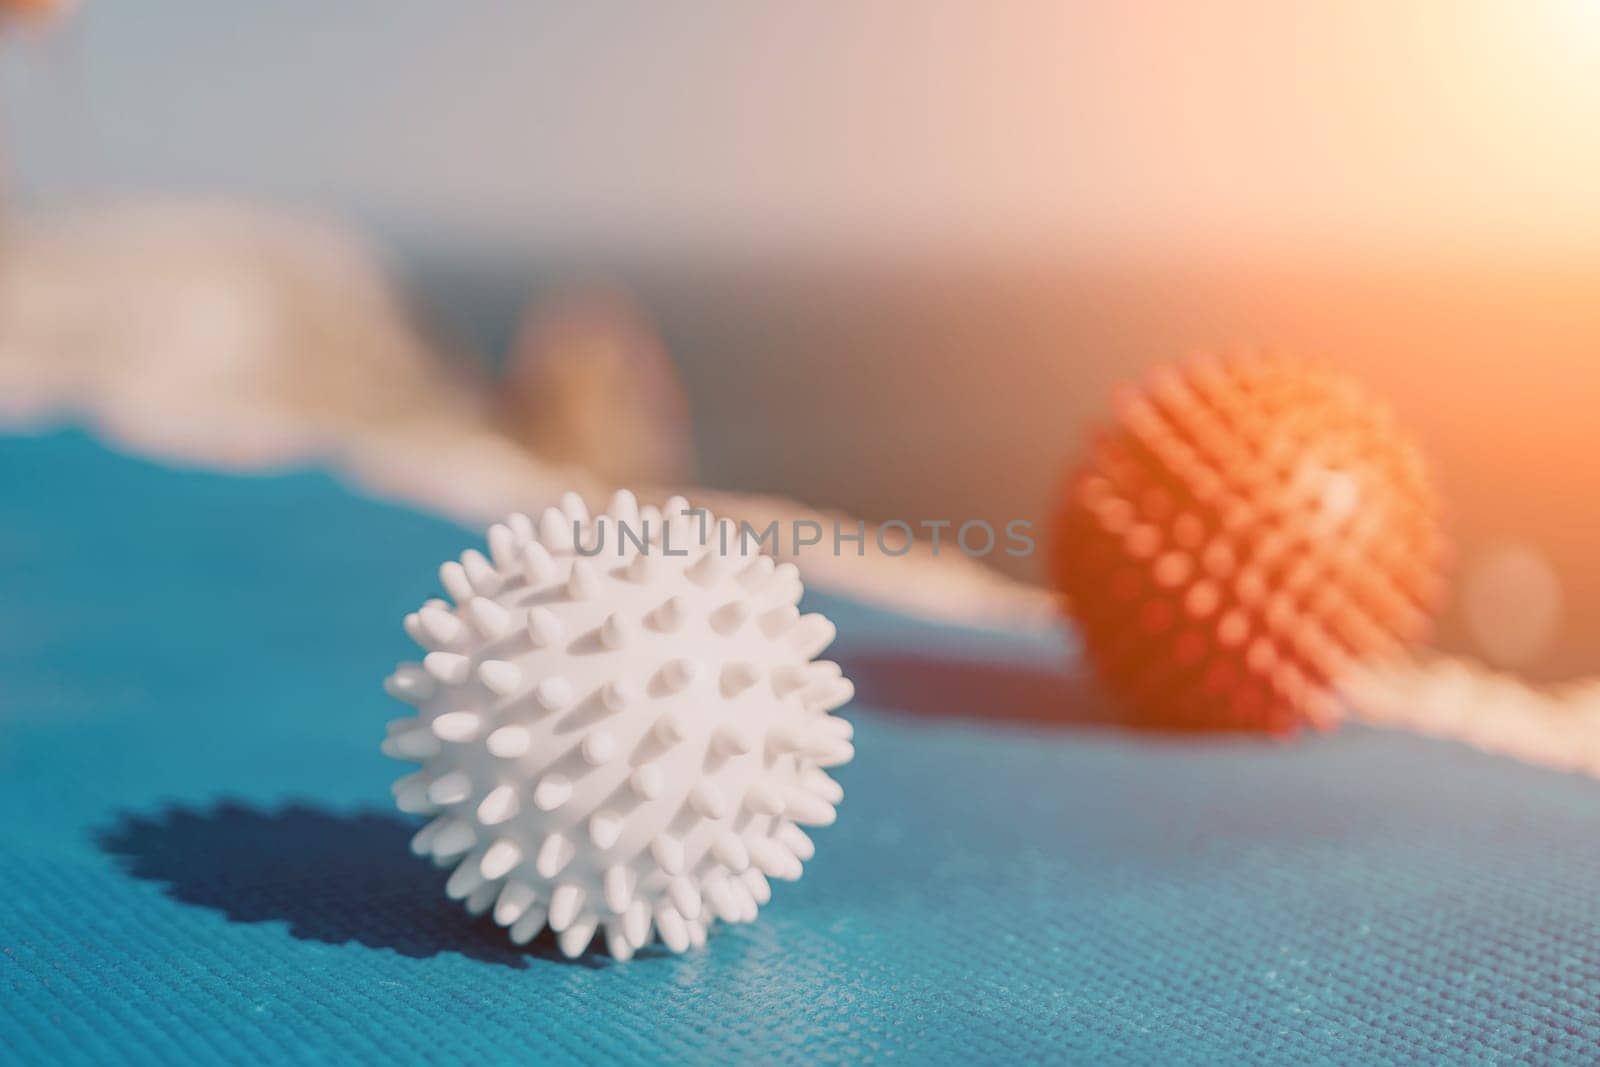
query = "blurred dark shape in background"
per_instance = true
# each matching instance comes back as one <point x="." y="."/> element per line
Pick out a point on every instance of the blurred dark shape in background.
<point x="588" y="382"/>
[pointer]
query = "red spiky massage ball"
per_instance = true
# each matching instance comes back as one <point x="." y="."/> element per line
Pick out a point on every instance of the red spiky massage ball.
<point x="1248" y="527"/>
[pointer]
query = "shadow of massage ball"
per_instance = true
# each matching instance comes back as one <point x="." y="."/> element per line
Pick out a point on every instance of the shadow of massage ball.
<point x="1247" y="529"/>
<point x="621" y="726"/>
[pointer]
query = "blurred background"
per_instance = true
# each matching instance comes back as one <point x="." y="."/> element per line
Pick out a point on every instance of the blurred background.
<point x="888" y="258"/>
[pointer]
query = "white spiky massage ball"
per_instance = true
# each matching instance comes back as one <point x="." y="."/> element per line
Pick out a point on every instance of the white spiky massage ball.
<point x="630" y="739"/>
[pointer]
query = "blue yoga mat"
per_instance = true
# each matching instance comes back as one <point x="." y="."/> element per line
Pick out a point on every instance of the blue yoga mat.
<point x="199" y="862"/>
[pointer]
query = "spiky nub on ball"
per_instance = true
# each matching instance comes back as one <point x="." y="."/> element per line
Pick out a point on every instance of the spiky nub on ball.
<point x="621" y="726"/>
<point x="1248" y="528"/>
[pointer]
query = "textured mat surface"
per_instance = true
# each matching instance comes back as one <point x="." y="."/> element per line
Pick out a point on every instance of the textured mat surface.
<point x="198" y="862"/>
